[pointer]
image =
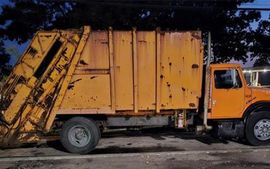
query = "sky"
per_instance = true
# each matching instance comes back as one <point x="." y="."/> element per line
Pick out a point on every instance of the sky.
<point x="259" y="4"/>
<point x="17" y="49"/>
<point x="264" y="16"/>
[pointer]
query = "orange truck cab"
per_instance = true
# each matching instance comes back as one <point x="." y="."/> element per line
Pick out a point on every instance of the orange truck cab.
<point x="238" y="109"/>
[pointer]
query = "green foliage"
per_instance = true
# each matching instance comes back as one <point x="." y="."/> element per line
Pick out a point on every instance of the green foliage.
<point x="231" y="29"/>
<point x="4" y="58"/>
<point x="22" y="18"/>
<point x="234" y="39"/>
<point x="261" y="44"/>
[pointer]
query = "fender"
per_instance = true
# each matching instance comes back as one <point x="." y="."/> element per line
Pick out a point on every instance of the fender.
<point x="255" y="107"/>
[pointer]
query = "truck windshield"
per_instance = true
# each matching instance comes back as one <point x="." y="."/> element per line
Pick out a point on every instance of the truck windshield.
<point x="259" y="78"/>
<point x="227" y="79"/>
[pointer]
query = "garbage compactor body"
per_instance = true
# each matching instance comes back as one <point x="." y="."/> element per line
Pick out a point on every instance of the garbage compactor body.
<point x="107" y="73"/>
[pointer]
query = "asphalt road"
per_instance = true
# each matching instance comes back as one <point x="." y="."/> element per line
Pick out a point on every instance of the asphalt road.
<point x="155" y="148"/>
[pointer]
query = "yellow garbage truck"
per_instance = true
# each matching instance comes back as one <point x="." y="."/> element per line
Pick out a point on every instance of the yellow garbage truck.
<point x="77" y="82"/>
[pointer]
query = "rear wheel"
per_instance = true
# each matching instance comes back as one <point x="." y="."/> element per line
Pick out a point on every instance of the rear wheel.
<point x="80" y="135"/>
<point x="258" y="128"/>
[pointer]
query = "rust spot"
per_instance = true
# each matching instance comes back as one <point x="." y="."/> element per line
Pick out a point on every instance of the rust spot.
<point x="70" y="86"/>
<point x="196" y="35"/>
<point x="191" y="104"/>
<point x="92" y="98"/>
<point x="195" y="66"/>
<point x="75" y="81"/>
<point x="46" y="36"/>
<point x="32" y="51"/>
<point x="83" y="62"/>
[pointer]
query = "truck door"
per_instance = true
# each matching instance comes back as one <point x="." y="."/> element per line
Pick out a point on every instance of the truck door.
<point x="227" y="92"/>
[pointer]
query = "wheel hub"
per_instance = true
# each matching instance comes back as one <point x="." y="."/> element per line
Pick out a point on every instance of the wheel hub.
<point x="79" y="136"/>
<point x="262" y="130"/>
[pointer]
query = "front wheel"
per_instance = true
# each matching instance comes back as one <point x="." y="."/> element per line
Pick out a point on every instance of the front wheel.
<point x="80" y="135"/>
<point x="258" y="128"/>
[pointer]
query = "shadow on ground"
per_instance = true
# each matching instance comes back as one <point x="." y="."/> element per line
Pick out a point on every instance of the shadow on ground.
<point x="155" y="133"/>
<point x="161" y="133"/>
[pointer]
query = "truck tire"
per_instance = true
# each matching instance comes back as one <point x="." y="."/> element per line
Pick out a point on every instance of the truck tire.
<point x="80" y="135"/>
<point x="258" y="128"/>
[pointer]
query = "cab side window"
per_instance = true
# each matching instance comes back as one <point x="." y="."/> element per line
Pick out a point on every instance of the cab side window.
<point x="227" y="79"/>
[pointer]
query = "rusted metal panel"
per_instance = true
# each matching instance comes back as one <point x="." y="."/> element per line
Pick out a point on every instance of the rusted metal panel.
<point x="86" y="111"/>
<point x="112" y="69"/>
<point x="123" y="69"/>
<point x="102" y="72"/>
<point x="33" y="55"/>
<point x="15" y="106"/>
<point x="96" y="52"/>
<point x="71" y="70"/>
<point x="88" y="92"/>
<point x="135" y="71"/>
<point x="29" y="61"/>
<point x="158" y="70"/>
<point x="30" y="96"/>
<point x="146" y="49"/>
<point x="181" y="66"/>
<point x="148" y="70"/>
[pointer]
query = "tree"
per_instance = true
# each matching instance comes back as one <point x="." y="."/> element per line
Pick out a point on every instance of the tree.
<point x="20" y="20"/>
<point x="234" y="41"/>
<point x="4" y="58"/>
<point x="261" y="44"/>
<point x="231" y="30"/>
